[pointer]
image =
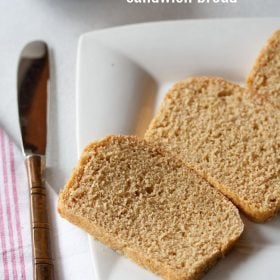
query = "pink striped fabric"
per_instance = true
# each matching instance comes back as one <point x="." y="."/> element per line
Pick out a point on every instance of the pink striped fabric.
<point x="15" y="242"/>
<point x="71" y="262"/>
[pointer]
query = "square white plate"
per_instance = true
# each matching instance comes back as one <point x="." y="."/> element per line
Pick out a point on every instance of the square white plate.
<point x="122" y="75"/>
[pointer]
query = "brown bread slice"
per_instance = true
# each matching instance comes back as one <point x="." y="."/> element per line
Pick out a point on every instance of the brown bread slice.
<point x="264" y="78"/>
<point x="147" y="204"/>
<point x="230" y="137"/>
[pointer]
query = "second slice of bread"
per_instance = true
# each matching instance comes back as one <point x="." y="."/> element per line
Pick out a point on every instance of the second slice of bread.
<point x="147" y="204"/>
<point x="230" y="137"/>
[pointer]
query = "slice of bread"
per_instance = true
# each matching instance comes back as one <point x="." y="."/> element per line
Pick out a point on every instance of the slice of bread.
<point x="229" y="136"/>
<point x="264" y="78"/>
<point x="147" y="204"/>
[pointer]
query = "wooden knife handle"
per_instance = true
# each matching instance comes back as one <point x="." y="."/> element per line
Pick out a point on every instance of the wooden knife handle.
<point x="42" y="257"/>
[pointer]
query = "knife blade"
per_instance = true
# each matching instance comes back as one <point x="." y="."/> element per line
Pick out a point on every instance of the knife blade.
<point x="33" y="78"/>
<point x="33" y="81"/>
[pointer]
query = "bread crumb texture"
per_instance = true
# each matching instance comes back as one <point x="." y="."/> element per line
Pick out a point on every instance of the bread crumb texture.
<point x="139" y="199"/>
<point x="229" y="136"/>
<point x="264" y="78"/>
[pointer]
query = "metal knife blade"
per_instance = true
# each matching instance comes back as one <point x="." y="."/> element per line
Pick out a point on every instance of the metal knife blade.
<point x="33" y="79"/>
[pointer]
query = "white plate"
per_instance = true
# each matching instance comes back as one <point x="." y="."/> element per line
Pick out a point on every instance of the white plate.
<point x="122" y="75"/>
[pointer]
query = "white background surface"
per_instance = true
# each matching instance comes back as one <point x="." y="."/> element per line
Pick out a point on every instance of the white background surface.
<point x="60" y="23"/>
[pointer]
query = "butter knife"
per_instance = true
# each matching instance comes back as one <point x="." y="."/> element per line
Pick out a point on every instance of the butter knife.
<point x="33" y="81"/>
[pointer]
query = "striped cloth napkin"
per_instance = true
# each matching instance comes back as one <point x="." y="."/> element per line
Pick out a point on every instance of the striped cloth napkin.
<point x="15" y="243"/>
<point x="70" y="262"/>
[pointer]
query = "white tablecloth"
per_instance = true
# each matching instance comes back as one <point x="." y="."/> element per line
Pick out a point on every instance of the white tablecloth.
<point x="60" y="23"/>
